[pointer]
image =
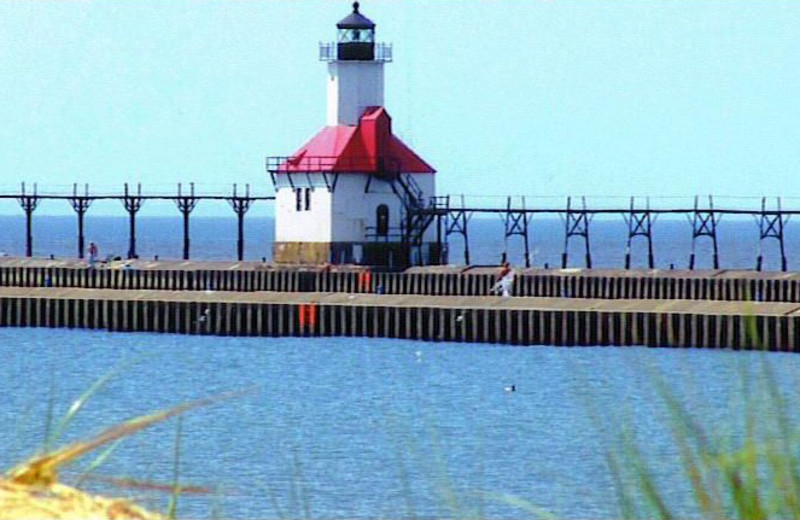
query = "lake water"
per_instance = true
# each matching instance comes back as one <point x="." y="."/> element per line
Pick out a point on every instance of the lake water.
<point x="215" y="238"/>
<point x="363" y="427"/>
<point x="368" y="427"/>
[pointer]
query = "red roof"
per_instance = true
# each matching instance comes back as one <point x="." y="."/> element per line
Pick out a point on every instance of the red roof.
<point x="366" y="148"/>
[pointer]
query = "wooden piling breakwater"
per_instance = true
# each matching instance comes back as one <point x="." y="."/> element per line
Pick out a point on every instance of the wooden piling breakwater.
<point x="715" y="285"/>
<point x="512" y="321"/>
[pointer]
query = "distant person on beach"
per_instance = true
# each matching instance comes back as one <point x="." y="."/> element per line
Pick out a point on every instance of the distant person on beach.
<point x="505" y="281"/>
<point x="93" y="251"/>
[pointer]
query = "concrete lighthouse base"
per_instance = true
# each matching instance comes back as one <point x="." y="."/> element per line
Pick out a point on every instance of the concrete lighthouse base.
<point x="390" y="255"/>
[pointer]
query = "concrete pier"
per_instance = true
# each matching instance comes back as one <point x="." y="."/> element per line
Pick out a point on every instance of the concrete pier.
<point x="513" y="321"/>
<point x="613" y="284"/>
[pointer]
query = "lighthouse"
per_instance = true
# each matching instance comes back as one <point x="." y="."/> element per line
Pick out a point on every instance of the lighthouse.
<point x="355" y="193"/>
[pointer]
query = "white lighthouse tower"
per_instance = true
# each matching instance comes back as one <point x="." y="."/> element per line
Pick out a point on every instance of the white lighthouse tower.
<point x="355" y="73"/>
<point x="355" y="193"/>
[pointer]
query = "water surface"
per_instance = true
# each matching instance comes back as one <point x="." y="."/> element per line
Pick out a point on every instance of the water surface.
<point x="357" y="427"/>
<point x="214" y="238"/>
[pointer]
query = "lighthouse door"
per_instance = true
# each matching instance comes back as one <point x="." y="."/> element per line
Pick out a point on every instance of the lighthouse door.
<point x="382" y="220"/>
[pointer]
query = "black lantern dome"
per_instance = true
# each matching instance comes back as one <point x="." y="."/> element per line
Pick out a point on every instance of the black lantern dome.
<point x="356" y="39"/>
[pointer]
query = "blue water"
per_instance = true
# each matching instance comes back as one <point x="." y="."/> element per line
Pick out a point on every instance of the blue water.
<point x="362" y="428"/>
<point x="367" y="427"/>
<point x="215" y="238"/>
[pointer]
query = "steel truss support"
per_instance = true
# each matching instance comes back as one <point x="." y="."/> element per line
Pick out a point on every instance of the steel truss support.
<point x="241" y="205"/>
<point x="133" y="203"/>
<point x="515" y="222"/>
<point x="28" y="203"/>
<point x="640" y="224"/>
<point x="186" y="204"/>
<point x="704" y="224"/>
<point x="457" y="221"/>
<point x="80" y="204"/>
<point x="576" y="224"/>
<point x="771" y="225"/>
<point x="441" y="242"/>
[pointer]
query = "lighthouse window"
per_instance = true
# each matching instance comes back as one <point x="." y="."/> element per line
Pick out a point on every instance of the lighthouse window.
<point x="382" y="220"/>
<point x="356" y="35"/>
<point x="302" y="199"/>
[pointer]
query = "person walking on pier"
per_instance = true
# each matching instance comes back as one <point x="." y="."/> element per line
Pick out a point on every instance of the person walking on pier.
<point x="92" y="250"/>
<point x="505" y="281"/>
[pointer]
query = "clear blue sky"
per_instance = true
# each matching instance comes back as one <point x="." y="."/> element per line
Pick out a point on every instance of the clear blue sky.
<point x="547" y="97"/>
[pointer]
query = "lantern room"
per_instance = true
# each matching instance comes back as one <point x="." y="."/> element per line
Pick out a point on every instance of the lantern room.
<point x="356" y="38"/>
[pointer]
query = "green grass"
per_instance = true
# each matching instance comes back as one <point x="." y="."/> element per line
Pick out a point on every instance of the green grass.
<point x="754" y="474"/>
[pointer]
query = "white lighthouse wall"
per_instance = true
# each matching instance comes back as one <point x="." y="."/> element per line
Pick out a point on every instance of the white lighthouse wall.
<point x="313" y="225"/>
<point x="354" y="211"/>
<point x="346" y="214"/>
<point x="352" y="87"/>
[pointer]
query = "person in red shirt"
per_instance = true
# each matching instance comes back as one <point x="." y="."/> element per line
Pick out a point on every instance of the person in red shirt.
<point x="92" y="250"/>
<point x="505" y="280"/>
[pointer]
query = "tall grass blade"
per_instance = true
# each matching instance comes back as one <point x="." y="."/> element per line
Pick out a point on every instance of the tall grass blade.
<point x="519" y="503"/>
<point x="444" y="484"/>
<point x="274" y="501"/>
<point x="97" y="462"/>
<point x="304" y="495"/>
<point x="404" y="443"/>
<point x="21" y="421"/>
<point x="78" y="403"/>
<point x="50" y="412"/>
<point x="696" y="452"/>
<point x="783" y="462"/>
<point x="743" y="484"/>
<point x="216" y="509"/>
<point x="42" y="469"/>
<point x="645" y="479"/>
<point x="627" y="509"/>
<point x="294" y="494"/>
<point x="751" y="497"/>
<point x="176" y="472"/>
<point x="405" y="482"/>
<point x="148" y="485"/>
<point x="696" y="471"/>
<point x="752" y="336"/>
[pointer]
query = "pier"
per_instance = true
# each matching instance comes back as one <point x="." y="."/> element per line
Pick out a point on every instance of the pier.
<point x="512" y="321"/>
<point x="612" y="284"/>
<point x="566" y="306"/>
<point x="573" y="307"/>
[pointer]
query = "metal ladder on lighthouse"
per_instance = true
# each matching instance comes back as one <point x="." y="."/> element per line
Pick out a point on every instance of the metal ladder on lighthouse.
<point x="418" y="214"/>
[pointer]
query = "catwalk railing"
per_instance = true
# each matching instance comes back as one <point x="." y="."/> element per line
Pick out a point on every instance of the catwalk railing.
<point x="704" y="219"/>
<point x="132" y="200"/>
<point x="453" y="215"/>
